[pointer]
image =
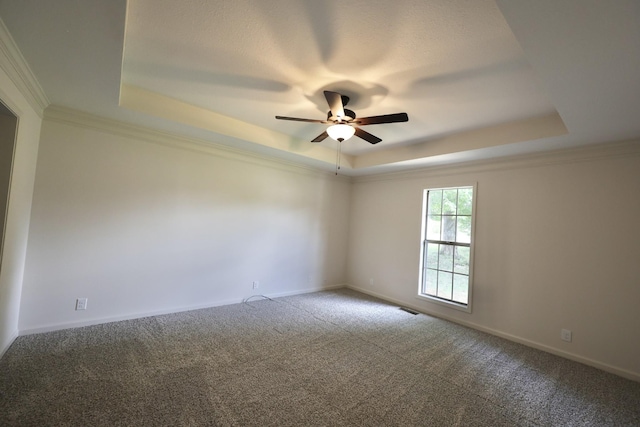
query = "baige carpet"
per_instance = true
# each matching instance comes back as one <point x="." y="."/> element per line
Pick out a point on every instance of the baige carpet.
<point x="335" y="358"/>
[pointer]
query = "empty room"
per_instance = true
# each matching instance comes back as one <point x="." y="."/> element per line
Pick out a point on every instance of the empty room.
<point x="296" y="212"/>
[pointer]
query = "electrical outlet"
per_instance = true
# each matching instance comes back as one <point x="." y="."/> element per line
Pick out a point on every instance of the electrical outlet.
<point x="565" y="335"/>
<point x="81" y="303"/>
<point x="371" y="282"/>
<point x="256" y="284"/>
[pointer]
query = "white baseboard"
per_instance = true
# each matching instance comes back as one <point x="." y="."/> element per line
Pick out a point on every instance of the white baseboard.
<point x="99" y="321"/>
<point x="305" y="291"/>
<point x="10" y="341"/>
<point x="109" y="319"/>
<point x="571" y="356"/>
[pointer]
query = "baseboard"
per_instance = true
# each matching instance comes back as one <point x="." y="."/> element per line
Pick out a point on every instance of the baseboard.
<point x="110" y="319"/>
<point x="10" y="341"/>
<point x="533" y="344"/>
<point x="99" y="321"/>
<point x="305" y="291"/>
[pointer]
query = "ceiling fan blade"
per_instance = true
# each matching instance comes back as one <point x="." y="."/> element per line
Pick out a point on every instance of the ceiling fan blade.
<point x="372" y="139"/>
<point x="320" y="137"/>
<point x="297" y="119"/>
<point x="334" y="99"/>
<point x="386" y="118"/>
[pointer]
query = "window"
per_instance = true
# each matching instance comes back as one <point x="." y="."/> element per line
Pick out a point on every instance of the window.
<point x="447" y="246"/>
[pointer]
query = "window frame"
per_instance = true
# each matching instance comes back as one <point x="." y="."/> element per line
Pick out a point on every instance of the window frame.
<point x="423" y="245"/>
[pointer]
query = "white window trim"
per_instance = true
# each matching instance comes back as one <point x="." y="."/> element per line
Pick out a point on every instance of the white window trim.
<point x="451" y="304"/>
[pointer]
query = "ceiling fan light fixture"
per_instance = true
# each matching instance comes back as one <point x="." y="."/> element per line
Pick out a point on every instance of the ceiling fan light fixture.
<point x="341" y="132"/>
<point x="344" y="123"/>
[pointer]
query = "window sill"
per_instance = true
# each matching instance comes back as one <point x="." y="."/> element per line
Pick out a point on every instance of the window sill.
<point x="450" y="304"/>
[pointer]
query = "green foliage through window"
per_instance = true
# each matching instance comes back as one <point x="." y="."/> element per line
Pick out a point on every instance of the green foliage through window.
<point x="447" y="244"/>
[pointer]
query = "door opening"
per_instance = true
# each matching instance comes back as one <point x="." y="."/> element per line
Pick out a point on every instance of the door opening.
<point x="8" y="128"/>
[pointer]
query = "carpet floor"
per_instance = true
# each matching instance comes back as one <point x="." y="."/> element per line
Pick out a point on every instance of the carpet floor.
<point x="335" y="358"/>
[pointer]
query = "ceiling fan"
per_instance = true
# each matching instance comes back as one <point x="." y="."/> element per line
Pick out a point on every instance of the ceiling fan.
<point x="344" y="123"/>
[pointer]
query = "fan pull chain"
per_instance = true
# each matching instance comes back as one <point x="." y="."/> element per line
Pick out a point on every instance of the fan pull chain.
<point x="338" y="153"/>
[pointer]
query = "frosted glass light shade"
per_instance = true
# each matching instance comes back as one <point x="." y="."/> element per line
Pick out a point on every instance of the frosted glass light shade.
<point x="341" y="132"/>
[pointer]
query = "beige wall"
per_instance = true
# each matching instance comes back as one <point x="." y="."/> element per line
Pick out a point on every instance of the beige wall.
<point x="143" y="227"/>
<point x="140" y="227"/>
<point x="557" y="246"/>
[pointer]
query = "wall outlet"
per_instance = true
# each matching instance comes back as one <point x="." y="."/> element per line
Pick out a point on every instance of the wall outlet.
<point x="370" y="282"/>
<point x="81" y="303"/>
<point x="565" y="335"/>
<point x="256" y="284"/>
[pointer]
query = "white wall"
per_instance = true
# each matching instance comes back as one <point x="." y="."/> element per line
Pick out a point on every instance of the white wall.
<point x="18" y="209"/>
<point x="557" y="246"/>
<point x="142" y="227"/>
<point x="139" y="227"/>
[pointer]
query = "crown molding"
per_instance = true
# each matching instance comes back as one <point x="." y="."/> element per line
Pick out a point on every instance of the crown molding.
<point x="13" y="63"/>
<point x="164" y="107"/>
<point x="628" y="148"/>
<point x="76" y="118"/>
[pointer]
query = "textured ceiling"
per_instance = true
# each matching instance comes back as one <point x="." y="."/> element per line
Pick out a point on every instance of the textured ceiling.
<point x="477" y="79"/>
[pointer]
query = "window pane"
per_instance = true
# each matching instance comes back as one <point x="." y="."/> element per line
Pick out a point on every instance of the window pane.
<point x="433" y="227"/>
<point x="431" y="282"/>
<point x="463" y="229"/>
<point x="448" y="229"/>
<point x="432" y="255"/>
<point x="445" y="258"/>
<point x="461" y="288"/>
<point x="461" y="260"/>
<point x="465" y="199"/>
<point x="445" y="282"/>
<point x="449" y="202"/>
<point x="446" y="263"/>
<point x="435" y="202"/>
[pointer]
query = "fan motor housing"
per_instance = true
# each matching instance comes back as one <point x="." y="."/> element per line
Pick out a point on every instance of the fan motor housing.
<point x="349" y="115"/>
<point x="338" y="102"/>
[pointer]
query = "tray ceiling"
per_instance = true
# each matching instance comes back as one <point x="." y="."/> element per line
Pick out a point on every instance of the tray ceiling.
<point x="478" y="79"/>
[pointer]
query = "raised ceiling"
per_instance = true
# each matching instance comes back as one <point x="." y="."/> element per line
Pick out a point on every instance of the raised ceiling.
<point x="478" y="79"/>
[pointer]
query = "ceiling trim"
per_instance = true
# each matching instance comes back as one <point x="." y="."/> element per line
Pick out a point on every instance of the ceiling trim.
<point x="148" y="102"/>
<point x="620" y="149"/>
<point x="13" y="63"/>
<point x="152" y="103"/>
<point x="529" y="129"/>
<point x="68" y="116"/>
